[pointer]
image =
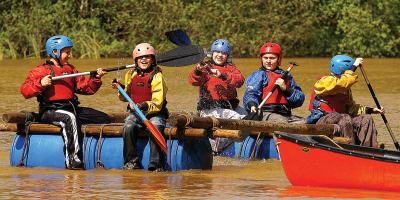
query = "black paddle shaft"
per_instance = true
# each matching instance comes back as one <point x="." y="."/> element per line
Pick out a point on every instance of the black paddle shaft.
<point x="396" y="143"/>
<point x="181" y="56"/>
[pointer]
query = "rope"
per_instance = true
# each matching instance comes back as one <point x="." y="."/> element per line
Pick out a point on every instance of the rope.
<point x="170" y="149"/>
<point x="189" y="119"/>
<point x="213" y="128"/>
<point x="255" y="146"/>
<point x="99" y="163"/>
<point x="25" y="149"/>
<point x="84" y="144"/>
<point x="239" y="155"/>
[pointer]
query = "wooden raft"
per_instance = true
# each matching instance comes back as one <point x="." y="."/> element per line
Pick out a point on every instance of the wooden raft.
<point x="183" y="125"/>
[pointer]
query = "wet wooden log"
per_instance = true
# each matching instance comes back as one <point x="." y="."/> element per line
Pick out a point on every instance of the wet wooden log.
<point x="19" y="117"/>
<point x="249" y="125"/>
<point x="116" y="130"/>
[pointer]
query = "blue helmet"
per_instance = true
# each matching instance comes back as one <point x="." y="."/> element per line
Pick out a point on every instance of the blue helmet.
<point x="221" y="45"/>
<point x="341" y="63"/>
<point x="57" y="42"/>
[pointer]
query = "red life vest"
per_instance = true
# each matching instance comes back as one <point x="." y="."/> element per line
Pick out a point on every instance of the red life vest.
<point x="219" y="89"/>
<point x="277" y="96"/>
<point x="141" y="87"/>
<point x="331" y="103"/>
<point x="62" y="89"/>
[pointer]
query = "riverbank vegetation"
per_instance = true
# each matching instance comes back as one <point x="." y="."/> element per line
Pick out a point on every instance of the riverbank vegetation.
<point x="111" y="28"/>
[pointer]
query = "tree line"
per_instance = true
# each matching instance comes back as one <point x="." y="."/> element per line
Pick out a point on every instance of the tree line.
<point x="111" y="28"/>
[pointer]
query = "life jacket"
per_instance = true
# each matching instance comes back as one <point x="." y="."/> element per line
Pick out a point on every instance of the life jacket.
<point x="62" y="89"/>
<point x="277" y="96"/>
<point x="217" y="88"/>
<point x="330" y="103"/>
<point x="141" y="86"/>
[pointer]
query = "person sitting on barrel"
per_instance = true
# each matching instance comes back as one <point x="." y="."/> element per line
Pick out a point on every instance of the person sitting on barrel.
<point x="332" y="103"/>
<point x="218" y="80"/>
<point x="278" y="107"/>
<point x="58" y="103"/>
<point x="146" y="86"/>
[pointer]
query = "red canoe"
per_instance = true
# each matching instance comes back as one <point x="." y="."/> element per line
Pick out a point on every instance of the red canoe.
<point x="319" y="162"/>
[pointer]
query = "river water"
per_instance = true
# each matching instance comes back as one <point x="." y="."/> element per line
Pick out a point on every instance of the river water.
<point x="229" y="179"/>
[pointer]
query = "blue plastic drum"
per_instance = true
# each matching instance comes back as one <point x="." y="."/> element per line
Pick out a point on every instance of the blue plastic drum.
<point x="184" y="154"/>
<point x="43" y="150"/>
<point x="265" y="149"/>
<point x="46" y="150"/>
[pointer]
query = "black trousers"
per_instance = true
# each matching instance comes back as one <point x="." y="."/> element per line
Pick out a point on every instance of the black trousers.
<point x="131" y="129"/>
<point x="70" y="121"/>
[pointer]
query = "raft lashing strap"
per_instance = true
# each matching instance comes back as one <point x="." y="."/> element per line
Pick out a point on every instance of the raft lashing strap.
<point x="84" y="145"/>
<point x="239" y="155"/>
<point x="25" y="149"/>
<point x="170" y="150"/>
<point x="99" y="163"/>
<point x="211" y="130"/>
<point x="257" y="143"/>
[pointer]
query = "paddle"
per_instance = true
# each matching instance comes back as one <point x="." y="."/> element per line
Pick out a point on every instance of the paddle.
<point x="139" y="114"/>
<point x="396" y="144"/>
<point x="178" y="37"/>
<point x="181" y="56"/>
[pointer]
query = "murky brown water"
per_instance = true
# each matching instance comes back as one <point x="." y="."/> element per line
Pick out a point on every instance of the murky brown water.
<point x="229" y="178"/>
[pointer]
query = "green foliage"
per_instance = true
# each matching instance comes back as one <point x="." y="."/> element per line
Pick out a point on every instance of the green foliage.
<point x="111" y="28"/>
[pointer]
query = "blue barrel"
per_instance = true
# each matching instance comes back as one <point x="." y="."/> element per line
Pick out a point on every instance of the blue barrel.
<point x="183" y="154"/>
<point x="264" y="150"/>
<point x="46" y="150"/>
<point x="43" y="150"/>
<point x="189" y="153"/>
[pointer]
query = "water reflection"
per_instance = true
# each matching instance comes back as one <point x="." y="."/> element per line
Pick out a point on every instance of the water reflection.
<point x="317" y="192"/>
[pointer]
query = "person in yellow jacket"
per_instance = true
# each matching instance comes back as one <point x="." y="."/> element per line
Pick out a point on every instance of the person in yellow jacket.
<point x="146" y="86"/>
<point x="332" y="103"/>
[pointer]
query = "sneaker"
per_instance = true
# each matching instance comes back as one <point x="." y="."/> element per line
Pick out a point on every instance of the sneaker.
<point x="73" y="164"/>
<point x="155" y="169"/>
<point x="131" y="166"/>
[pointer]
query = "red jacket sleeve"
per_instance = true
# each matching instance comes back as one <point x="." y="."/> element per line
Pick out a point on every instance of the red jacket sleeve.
<point x="87" y="86"/>
<point x="196" y="78"/>
<point x="31" y="86"/>
<point x="235" y="77"/>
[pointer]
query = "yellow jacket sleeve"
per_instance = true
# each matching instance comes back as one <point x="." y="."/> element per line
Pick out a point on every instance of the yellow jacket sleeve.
<point x="158" y="94"/>
<point x="330" y="85"/>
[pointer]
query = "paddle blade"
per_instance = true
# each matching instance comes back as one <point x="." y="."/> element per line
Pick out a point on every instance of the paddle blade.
<point x="178" y="37"/>
<point x="159" y="138"/>
<point x="181" y="56"/>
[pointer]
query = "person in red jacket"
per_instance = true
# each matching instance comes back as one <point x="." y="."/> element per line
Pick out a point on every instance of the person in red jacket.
<point x="217" y="81"/>
<point x="58" y="103"/>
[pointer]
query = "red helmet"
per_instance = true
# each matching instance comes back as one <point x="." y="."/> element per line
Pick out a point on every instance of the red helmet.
<point x="271" y="47"/>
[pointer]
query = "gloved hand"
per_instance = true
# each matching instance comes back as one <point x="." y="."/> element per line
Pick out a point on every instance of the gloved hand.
<point x="115" y="83"/>
<point x="357" y="63"/>
<point x="144" y="107"/>
<point x="203" y="67"/>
